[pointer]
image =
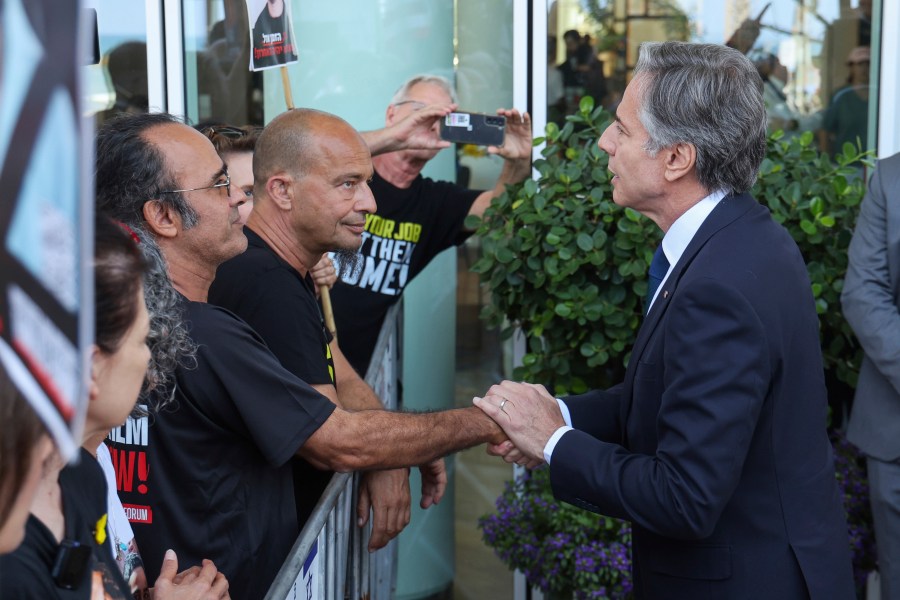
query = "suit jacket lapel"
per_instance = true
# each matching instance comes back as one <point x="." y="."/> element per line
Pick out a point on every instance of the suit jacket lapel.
<point x="726" y="211"/>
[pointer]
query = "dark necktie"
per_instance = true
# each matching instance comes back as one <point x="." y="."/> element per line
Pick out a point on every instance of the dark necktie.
<point x="659" y="266"/>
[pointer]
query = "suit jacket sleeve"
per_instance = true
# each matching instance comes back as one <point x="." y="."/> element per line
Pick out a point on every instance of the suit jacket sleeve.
<point x="597" y="413"/>
<point x="704" y="402"/>
<point x="868" y="297"/>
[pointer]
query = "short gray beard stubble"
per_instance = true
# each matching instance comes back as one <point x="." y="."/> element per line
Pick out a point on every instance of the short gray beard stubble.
<point x="349" y="262"/>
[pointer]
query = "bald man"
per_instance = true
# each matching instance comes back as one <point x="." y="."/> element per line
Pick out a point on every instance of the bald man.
<point x="311" y="172"/>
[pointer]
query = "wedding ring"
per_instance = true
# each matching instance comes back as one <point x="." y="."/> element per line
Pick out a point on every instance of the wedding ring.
<point x="502" y="404"/>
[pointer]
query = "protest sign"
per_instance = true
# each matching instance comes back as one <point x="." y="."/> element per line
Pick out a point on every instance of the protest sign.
<point x="46" y="316"/>
<point x="272" y="35"/>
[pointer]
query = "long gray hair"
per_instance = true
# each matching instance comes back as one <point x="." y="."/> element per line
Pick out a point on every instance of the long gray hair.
<point x="130" y="171"/>
<point x="709" y="96"/>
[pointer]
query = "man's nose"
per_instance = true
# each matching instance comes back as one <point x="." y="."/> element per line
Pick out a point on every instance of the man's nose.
<point x="605" y="143"/>
<point x="236" y="196"/>
<point x="365" y="201"/>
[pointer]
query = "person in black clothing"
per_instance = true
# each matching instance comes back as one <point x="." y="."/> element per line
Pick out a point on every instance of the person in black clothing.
<point x="270" y="286"/>
<point x="217" y="478"/>
<point x="69" y="513"/>
<point x="417" y="217"/>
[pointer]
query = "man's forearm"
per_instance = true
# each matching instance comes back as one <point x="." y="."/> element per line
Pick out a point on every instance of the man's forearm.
<point x="379" y="141"/>
<point x="514" y="171"/>
<point x="379" y="439"/>
<point x="355" y="394"/>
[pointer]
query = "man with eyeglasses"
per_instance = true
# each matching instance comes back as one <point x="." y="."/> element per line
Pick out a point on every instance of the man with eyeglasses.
<point x="417" y="217"/>
<point x="209" y="475"/>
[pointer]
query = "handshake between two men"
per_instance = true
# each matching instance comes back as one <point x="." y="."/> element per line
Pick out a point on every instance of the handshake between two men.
<point x="529" y="416"/>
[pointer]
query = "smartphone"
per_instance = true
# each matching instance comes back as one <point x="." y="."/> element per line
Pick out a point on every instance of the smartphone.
<point x="473" y="128"/>
<point x="72" y="559"/>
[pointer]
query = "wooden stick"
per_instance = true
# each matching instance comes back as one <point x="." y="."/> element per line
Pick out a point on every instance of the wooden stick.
<point x="327" y="311"/>
<point x="286" y="84"/>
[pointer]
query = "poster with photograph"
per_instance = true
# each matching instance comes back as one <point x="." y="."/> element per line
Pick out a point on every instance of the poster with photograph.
<point x="46" y="323"/>
<point x="271" y="34"/>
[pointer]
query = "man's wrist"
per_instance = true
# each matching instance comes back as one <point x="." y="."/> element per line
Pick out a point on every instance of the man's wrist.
<point x="554" y="439"/>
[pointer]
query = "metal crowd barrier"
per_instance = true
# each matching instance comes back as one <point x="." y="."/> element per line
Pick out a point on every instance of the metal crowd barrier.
<point x="330" y="560"/>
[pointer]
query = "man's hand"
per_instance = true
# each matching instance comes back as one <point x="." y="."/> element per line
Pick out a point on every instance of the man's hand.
<point x="517" y="141"/>
<point x="323" y="273"/>
<point x="516" y="152"/>
<point x="196" y="583"/>
<point x="527" y="413"/>
<point x="387" y="494"/>
<point x="508" y="452"/>
<point x="417" y="131"/>
<point x="434" y="482"/>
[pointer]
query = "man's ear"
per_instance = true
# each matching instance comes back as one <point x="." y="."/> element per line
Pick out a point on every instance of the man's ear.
<point x="162" y="219"/>
<point x="279" y="189"/>
<point x="390" y="115"/>
<point x="680" y="160"/>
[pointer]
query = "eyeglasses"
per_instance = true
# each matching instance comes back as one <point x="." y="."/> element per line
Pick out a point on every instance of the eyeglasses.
<point x="419" y="104"/>
<point x="857" y="62"/>
<point x="226" y="130"/>
<point x="224" y="184"/>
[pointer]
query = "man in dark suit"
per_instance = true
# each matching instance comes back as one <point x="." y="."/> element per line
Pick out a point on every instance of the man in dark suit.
<point x="714" y="446"/>
<point x="871" y="302"/>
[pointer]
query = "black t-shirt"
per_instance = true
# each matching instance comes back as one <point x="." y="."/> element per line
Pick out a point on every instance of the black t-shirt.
<point x="411" y="227"/>
<point x="209" y="476"/>
<point x="272" y="43"/>
<point x="26" y="573"/>
<point x="265" y="291"/>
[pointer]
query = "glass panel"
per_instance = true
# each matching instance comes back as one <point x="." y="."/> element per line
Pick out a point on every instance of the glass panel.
<point x="219" y="86"/>
<point x="814" y="55"/>
<point x="119" y="82"/>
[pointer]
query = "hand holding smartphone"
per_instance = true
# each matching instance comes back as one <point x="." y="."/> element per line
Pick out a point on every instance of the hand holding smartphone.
<point x="473" y="128"/>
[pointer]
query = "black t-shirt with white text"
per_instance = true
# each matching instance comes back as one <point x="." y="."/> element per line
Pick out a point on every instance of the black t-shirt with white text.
<point x="209" y="475"/>
<point x="411" y="226"/>
<point x="280" y="305"/>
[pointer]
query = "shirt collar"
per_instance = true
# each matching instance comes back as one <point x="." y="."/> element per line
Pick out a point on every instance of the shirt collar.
<point x="686" y="226"/>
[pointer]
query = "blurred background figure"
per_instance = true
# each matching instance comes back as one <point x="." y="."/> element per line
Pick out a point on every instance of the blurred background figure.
<point x="582" y="71"/>
<point x="556" y="93"/>
<point x="780" y="110"/>
<point x="126" y="65"/>
<point x="847" y="116"/>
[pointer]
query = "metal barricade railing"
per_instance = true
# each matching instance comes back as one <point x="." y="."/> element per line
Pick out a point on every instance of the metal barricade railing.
<point x="330" y="560"/>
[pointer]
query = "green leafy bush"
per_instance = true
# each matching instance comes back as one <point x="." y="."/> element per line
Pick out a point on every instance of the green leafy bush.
<point x="817" y="201"/>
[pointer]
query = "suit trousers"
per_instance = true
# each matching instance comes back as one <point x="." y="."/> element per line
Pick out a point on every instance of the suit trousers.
<point x="884" y="494"/>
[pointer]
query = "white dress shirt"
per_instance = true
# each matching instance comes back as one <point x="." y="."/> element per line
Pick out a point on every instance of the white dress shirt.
<point x="674" y="244"/>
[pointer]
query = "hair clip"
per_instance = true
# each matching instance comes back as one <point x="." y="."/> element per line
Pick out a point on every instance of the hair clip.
<point x="129" y="231"/>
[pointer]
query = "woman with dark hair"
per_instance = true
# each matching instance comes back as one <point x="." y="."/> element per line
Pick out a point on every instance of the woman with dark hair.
<point x="65" y="544"/>
<point x="24" y="447"/>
